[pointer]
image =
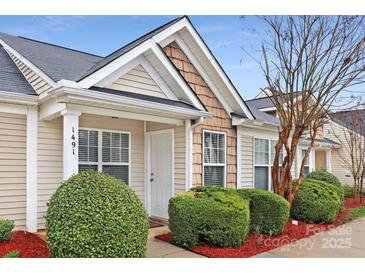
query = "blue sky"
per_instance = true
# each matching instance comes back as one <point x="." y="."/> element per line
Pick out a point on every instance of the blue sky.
<point x="226" y="36"/>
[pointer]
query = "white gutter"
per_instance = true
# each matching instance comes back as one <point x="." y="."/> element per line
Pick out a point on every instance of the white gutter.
<point x="18" y="98"/>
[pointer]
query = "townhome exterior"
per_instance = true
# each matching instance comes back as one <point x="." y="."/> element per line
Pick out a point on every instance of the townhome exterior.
<point x="159" y="113"/>
<point x="156" y="113"/>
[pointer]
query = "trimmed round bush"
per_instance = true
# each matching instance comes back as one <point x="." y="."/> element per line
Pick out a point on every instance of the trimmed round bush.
<point x="315" y="202"/>
<point x="93" y="215"/>
<point x="325" y="176"/>
<point x="219" y="218"/>
<point x="269" y="212"/>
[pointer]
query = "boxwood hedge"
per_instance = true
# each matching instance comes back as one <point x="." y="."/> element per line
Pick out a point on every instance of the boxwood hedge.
<point x="269" y="212"/>
<point x="316" y="202"/>
<point x="325" y="176"/>
<point x="220" y="218"/>
<point x="96" y="215"/>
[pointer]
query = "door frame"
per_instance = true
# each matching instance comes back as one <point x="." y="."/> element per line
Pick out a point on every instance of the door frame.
<point x="148" y="164"/>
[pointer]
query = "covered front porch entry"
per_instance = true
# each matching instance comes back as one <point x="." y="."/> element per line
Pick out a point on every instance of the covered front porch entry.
<point x="148" y="152"/>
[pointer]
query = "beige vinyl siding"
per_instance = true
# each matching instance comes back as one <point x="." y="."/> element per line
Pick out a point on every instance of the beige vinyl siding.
<point x="247" y="164"/>
<point x="37" y="82"/>
<point x="179" y="153"/>
<point x="335" y="132"/>
<point x="136" y="129"/>
<point x="137" y="80"/>
<point x="50" y="163"/>
<point x="13" y="131"/>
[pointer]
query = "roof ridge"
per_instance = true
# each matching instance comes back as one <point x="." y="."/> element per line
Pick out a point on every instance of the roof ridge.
<point x="146" y="34"/>
<point x="58" y="46"/>
<point x="253" y="99"/>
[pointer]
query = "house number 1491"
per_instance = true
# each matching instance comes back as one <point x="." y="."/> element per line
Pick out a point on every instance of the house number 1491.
<point x="73" y="141"/>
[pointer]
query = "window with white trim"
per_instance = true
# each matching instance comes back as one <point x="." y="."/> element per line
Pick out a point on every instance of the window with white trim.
<point x="105" y="151"/>
<point x="264" y="160"/>
<point x="214" y="155"/>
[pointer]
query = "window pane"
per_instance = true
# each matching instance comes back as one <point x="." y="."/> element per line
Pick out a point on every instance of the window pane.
<point x="124" y="155"/>
<point x="215" y="148"/>
<point x="207" y="139"/>
<point x="261" y="178"/>
<point x="88" y="167"/>
<point x="83" y="137"/>
<point x="93" y="138"/>
<point x="261" y="152"/>
<point x="304" y="151"/>
<point x="93" y="154"/>
<point x="221" y="142"/>
<point x="120" y="172"/>
<point x="83" y="154"/>
<point x="214" y="175"/>
<point x="88" y="146"/>
<point x="207" y="157"/>
<point x="272" y="153"/>
<point x="124" y="140"/>
<point x="306" y="171"/>
<point x="115" y="155"/>
<point x="115" y="139"/>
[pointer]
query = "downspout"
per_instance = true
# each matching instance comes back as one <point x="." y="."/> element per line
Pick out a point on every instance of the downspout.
<point x="189" y="140"/>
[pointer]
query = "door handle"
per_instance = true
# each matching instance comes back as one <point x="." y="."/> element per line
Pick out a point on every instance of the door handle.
<point x="151" y="180"/>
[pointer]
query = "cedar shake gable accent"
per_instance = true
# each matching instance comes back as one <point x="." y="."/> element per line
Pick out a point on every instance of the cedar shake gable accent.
<point x="220" y="121"/>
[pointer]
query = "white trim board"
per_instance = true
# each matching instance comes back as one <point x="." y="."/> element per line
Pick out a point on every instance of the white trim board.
<point x="140" y="60"/>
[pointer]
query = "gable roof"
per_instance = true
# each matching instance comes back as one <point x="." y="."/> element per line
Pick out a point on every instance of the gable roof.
<point x="266" y="118"/>
<point x="345" y="119"/>
<point x="11" y="79"/>
<point x="55" y="61"/>
<point x="260" y="103"/>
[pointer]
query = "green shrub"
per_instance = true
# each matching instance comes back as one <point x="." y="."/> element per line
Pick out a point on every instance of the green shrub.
<point x="269" y="212"/>
<point x="6" y="227"/>
<point x="332" y="190"/>
<point x="315" y="202"/>
<point x="325" y="176"/>
<point x="220" y="218"/>
<point x="12" y="254"/>
<point x="96" y="215"/>
<point x="349" y="191"/>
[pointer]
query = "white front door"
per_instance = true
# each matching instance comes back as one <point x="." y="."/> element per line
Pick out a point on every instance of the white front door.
<point x="160" y="173"/>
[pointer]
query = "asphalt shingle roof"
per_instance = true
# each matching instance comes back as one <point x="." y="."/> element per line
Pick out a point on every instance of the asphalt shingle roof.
<point x="260" y="103"/>
<point x="11" y="79"/>
<point x="267" y="118"/>
<point x="55" y="61"/>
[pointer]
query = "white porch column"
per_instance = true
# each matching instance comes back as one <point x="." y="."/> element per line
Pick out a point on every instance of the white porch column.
<point x="70" y="143"/>
<point x="31" y="173"/>
<point x="189" y="155"/>
<point x="329" y="160"/>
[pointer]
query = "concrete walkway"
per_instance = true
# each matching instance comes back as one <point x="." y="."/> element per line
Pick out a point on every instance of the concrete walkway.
<point x="345" y="241"/>
<point x="161" y="249"/>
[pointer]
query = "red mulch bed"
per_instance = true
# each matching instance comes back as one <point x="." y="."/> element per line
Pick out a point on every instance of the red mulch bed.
<point x="258" y="243"/>
<point x="28" y="244"/>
